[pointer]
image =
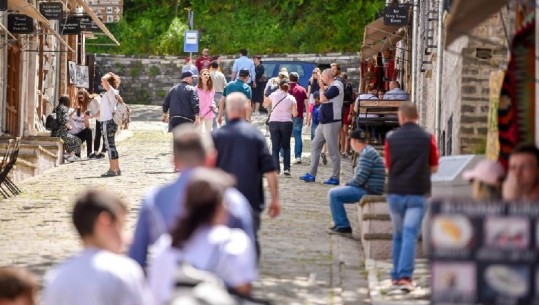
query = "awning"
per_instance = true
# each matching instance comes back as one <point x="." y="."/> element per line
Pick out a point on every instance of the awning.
<point x="29" y="10"/>
<point x="382" y="45"/>
<point x="97" y="21"/>
<point x="465" y="15"/>
<point x="375" y="37"/>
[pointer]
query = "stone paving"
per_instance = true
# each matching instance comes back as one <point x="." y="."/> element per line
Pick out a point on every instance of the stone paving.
<point x="301" y="263"/>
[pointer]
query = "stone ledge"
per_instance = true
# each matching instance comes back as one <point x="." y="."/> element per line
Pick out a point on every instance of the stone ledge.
<point x="380" y="217"/>
<point x="372" y="199"/>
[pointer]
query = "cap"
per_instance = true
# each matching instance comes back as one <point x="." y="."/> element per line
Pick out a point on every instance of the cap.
<point x="487" y="171"/>
<point x="284" y="81"/>
<point x="244" y="73"/>
<point x="316" y="94"/>
<point x="359" y="134"/>
<point x="187" y="73"/>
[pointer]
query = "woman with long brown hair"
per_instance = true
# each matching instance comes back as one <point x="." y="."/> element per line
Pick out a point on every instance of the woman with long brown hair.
<point x="111" y="83"/>
<point x="205" y="100"/>
<point x="202" y="240"/>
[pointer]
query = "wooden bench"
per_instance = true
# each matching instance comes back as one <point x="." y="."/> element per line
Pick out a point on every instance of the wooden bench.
<point x="385" y="111"/>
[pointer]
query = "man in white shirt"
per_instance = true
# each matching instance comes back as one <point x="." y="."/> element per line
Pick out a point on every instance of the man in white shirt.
<point x="98" y="275"/>
<point x="395" y="92"/>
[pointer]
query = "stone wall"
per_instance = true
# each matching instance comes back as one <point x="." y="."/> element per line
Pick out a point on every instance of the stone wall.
<point x="146" y="80"/>
<point x="467" y="65"/>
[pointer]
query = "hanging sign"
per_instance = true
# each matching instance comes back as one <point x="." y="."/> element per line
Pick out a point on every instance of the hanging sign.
<point x="3" y="5"/>
<point x="20" y="24"/>
<point x="51" y="10"/>
<point x="87" y="24"/>
<point x="396" y="15"/>
<point x="190" y="41"/>
<point x="70" y="26"/>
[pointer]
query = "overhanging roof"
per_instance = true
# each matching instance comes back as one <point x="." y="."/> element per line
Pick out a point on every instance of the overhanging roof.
<point x="4" y="29"/>
<point x="97" y="21"/>
<point x="465" y="15"/>
<point x="29" y="10"/>
<point x="376" y="36"/>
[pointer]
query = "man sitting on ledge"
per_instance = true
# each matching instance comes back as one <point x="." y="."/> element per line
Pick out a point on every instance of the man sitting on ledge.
<point x="395" y="92"/>
<point x="369" y="178"/>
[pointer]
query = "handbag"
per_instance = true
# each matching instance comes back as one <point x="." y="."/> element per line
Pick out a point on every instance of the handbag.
<point x="271" y="110"/>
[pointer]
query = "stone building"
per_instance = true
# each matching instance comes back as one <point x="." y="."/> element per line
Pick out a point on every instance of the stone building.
<point x="467" y="65"/>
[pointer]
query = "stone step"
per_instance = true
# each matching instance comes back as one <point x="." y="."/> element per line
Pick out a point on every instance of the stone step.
<point x="22" y="170"/>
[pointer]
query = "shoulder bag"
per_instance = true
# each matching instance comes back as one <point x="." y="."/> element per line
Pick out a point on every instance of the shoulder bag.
<point x="271" y="110"/>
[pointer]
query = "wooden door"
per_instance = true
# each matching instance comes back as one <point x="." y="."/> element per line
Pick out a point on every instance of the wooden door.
<point x="13" y="90"/>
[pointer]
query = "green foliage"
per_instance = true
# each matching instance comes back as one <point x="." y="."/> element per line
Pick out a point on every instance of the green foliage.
<point x="156" y="27"/>
<point x="137" y="68"/>
<point x="154" y="71"/>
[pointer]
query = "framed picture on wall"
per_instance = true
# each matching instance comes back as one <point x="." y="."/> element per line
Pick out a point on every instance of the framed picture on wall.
<point x="72" y="66"/>
<point x="83" y="79"/>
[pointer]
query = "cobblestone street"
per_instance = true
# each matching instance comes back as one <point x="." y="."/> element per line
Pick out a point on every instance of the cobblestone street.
<point x="301" y="263"/>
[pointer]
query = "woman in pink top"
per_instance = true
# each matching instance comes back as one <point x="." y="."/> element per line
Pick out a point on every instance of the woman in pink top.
<point x="205" y="99"/>
<point x="283" y="108"/>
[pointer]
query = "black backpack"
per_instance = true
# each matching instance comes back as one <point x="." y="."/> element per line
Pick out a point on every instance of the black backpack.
<point x="51" y="123"/>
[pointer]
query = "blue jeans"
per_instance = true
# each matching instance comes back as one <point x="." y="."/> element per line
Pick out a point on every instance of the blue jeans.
<point x="313" y="129"/>
<point x="340" y="195"/>
<point x="406" y="213"/>
<point x="280" y="133"/>
<point x="296" y="131"/>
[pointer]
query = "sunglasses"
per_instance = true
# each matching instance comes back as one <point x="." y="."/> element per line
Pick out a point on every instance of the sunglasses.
<point x="205" y="74"/>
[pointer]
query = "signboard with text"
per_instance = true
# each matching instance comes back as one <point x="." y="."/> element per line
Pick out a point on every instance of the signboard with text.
<point x="20" y="24"/>
<point x="87" y="24"/>
<point x="51" y="10"/>
<point x="3" y="5"/>
<point x="190" y="41"/>
<point x="396" y="15"/>
<point x="109" y="11"/>
<point x="70" y="26"/>
<point x="484" y="253"/>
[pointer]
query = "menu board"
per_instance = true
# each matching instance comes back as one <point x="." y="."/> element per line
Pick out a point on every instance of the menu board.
<point x="70" y="25"/>
<point x="51" y="10"/>
<point x="484" y="253"/>
<point x="20" y="24"/>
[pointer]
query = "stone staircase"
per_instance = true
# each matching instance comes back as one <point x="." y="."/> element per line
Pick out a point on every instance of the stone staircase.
<point x="36" y="155"/>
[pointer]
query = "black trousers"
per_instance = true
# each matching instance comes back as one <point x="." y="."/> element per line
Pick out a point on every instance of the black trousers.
<point x="98" y="135"/>
<point x="86" y="136"/>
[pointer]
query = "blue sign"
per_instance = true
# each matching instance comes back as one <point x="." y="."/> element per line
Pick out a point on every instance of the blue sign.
<point x="190" y="41"/>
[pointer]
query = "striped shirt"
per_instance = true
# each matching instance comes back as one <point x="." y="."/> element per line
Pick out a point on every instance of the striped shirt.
<point x="370" y="172"/>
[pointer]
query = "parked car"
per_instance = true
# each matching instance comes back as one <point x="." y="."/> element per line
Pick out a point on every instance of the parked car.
<point x="303" y="68"/>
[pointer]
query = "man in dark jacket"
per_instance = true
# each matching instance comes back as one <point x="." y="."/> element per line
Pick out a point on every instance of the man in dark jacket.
<point x="411" y="157"/>
<point x="181" y="103"/>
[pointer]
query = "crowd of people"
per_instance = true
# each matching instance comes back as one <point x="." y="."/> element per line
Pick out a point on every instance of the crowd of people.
<point x="208" y="218"/>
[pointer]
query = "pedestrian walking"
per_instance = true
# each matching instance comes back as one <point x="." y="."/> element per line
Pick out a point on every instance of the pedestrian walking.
<point x="111" y="83"/>
<point x="71" y="142"/>
<point x="313" y="85"/>
<point x="283" y="111"/>
<point x="181" y="105"/>
<point x="205" y="98"/>
<point x="369" y="179"/>
<point x="99" y="275"/>
<point x="201" y="239"/>
<point x="244" y="63"/>
<point x="203" y="61"/>
<point x="17" y="286"/>
<point x="219" y="83"/>
<point x="411" y="156"/>
<point x="260" y="80"/>
<point x="93" y="101"/>
<point x="239" y="85"/>
<point x="348" y="99"/>
<point x="522" y="182"/>
<point x="162" y="206"/>
<point x="242" y="152"/>
<point x="300" y="94"/>
<point x="328" y="129"/>
<point x="189" y="66"/>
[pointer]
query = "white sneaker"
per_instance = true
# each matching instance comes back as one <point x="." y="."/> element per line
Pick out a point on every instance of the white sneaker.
<point x="298" y="161"/>
<point x="72" y="159"/>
